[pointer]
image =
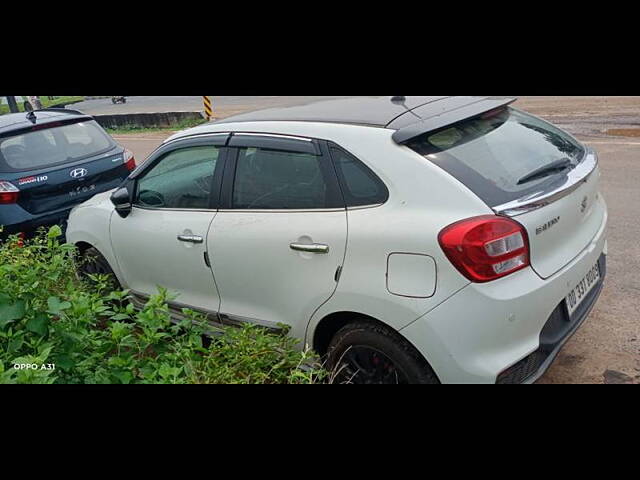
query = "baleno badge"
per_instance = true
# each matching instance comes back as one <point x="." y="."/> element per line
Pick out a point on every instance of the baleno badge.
<point x="543" y="228"/>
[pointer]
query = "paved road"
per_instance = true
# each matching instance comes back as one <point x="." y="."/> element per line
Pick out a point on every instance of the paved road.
<point x="141" y="145"/>
<point x="223" y="106"/>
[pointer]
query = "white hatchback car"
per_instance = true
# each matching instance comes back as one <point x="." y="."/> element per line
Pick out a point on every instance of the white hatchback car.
<point x="408" y="239"/>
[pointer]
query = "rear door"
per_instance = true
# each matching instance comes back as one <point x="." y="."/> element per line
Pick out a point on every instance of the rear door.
<point x="57" y="167"/>
<point x="280" y="237"/>
<point x="510" y="159"/>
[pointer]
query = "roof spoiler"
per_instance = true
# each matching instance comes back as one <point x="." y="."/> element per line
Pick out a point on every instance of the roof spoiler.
<point x="438" y="122"/>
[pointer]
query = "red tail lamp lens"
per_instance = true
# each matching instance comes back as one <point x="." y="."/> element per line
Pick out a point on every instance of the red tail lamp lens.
<point x="486" y="248"/>
<point x="9" y="193"/>
<point x="129" y="160"/>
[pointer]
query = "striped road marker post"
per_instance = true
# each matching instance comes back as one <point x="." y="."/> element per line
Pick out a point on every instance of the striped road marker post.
<point x="208" y="108"/>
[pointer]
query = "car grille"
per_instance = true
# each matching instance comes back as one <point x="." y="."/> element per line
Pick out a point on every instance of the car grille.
<point x="524" y="369"/>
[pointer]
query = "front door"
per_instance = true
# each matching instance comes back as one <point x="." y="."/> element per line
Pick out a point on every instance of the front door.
<point x="280" y="236"/>
<point x="162" y="243"/>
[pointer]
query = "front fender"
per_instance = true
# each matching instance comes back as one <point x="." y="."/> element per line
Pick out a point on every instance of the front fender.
<point x="91" y="225"/>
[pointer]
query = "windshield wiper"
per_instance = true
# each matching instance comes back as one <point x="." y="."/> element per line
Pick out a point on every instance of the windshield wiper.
<point x="554" y="167"/>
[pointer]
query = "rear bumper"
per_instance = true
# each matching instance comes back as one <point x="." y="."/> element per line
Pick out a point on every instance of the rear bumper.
<point x="16" y="219"/>
<point x="507" y="331"/>
<point x="557" y="332"/>
<point x="30" y="226"/>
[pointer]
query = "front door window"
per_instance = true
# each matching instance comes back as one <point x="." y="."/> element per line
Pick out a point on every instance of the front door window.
<point x="183" y="179"/>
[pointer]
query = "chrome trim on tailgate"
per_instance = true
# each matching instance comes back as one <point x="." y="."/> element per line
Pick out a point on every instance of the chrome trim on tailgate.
<point x="575" y="178"/>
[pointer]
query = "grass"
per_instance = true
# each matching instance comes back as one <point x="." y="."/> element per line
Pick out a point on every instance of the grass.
<point x="77" y="329"/>
<point x="182" y="125"/>
<point x="46" y="103"/>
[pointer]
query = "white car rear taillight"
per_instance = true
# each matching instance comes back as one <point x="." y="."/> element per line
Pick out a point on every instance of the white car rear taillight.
<point x="486" y="248"/>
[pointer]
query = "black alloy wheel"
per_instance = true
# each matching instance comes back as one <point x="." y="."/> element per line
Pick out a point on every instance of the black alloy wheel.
<point x="363" y="365"/>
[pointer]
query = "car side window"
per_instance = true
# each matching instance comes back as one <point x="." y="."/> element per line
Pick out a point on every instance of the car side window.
<point x="360" y="186"/>
<point x="279" y="180"/>
<point x="182" y="179"/>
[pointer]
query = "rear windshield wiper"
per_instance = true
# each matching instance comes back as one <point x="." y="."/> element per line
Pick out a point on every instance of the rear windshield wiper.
<point x="554" y="167"/>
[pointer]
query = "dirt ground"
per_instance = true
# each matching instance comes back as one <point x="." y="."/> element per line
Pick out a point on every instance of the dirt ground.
<point x="607" y="348"/>
<point x="589" y="116"/>
<point x="580" y="106"/>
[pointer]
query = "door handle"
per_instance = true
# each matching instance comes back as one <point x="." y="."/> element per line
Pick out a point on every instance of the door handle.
<point x="310" y="248"/>
<point x="190" y="238"/>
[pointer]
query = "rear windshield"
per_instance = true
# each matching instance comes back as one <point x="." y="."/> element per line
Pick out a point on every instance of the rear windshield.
<point x="53" y="146"/>
<point x="496" y="155"/>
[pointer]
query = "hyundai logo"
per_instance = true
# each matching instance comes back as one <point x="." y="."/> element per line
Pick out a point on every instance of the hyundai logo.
<point x="79" y="173"/>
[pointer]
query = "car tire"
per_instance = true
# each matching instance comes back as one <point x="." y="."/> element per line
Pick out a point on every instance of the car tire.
<point x="364" y="352"/>
<point x="92" y="262"/>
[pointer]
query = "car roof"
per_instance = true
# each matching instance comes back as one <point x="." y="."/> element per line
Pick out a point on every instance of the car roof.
<point x="367" y="111"/>
<point x="20" y="121"/>
<point x="385" y="112"/>
<point x="408" y="116"/>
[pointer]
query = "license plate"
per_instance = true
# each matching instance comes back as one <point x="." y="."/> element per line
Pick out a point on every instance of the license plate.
<point x="580" y="292"/>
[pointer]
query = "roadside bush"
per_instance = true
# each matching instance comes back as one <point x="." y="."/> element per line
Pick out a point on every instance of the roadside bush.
<point x="69" y="330"/>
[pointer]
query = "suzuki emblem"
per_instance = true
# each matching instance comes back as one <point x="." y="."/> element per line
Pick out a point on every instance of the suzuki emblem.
<point x="79" y="173"/>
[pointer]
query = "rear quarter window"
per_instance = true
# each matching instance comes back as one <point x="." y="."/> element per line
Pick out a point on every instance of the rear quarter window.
<point x="493" y="153"/>
<point x="360" y="186"/>
<point x="54" y="146"/>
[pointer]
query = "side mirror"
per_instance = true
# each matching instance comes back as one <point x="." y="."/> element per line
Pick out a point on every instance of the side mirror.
<point x="122" y="201"/>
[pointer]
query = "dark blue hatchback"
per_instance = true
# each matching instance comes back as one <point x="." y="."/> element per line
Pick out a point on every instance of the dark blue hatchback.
<point x="51" y="161"/>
